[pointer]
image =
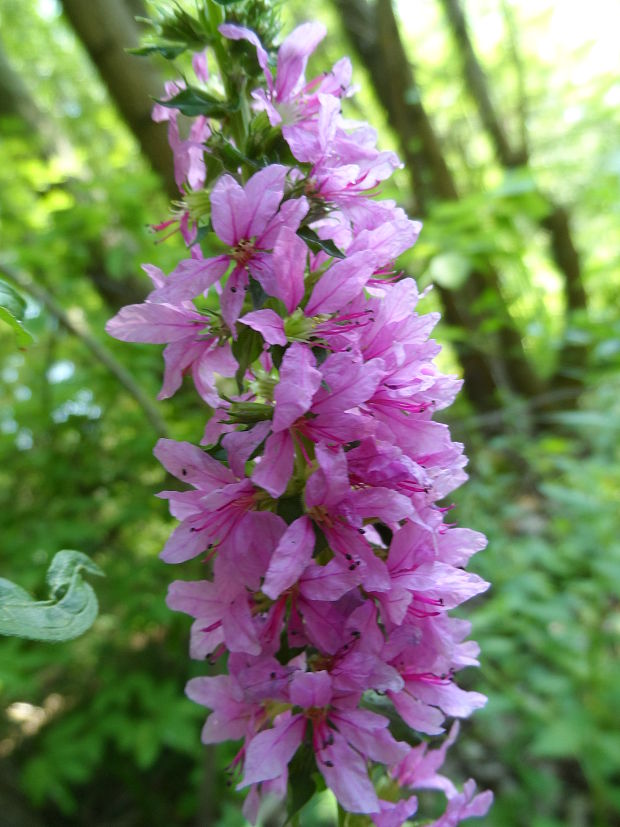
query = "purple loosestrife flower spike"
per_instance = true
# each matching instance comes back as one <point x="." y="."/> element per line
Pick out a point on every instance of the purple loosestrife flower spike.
<point x="324" y="570"/>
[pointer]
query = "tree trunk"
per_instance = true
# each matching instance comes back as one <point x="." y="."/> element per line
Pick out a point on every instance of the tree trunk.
<point x="47" y="140"/>
<point x="374" y="33"/>
<point x="557" y="220"/>
<point x="107" y="29"/>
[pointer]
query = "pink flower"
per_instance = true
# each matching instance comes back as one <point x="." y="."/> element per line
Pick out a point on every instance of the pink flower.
<point x="290" y="98"/>
<point x="249" y="220"/>
<point x="343" y="741"/>
<point x="190" y="344"/>
<point x="329" y="571"/>
<point x="220" y="513"/>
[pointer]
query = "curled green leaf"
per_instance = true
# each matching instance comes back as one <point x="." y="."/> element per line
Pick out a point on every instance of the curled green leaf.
<point x="70" y="611"/>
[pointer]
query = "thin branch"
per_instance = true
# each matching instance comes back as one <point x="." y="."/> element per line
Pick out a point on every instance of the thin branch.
<point x="479" y="88"/>
<point x="515" y="54"/>
<point x="540" y="408"/>
<point x="101" y="353"/>
<point x="107" y="29"/>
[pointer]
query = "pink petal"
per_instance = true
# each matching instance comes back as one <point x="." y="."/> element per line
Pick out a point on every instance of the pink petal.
<point x="327" y="582"/>
<point x="240" y="445"/>
<point x="395" y="813"/>
<point x="283" y="275"/>
<point x="190" y="278"/>
<point x="345" y="773"/>
<point x="198" y="598"/>
<point x="418" y="715"/>
<point x="154" y="322"/>
<point x="184" y="544"/>
<point x="228" y="210"/>
<point x="232" y="297"/>
<point x="342" y="283"/>
<point x="264" y="192"/>
<point x="299" y="380"/>
<point x="329" y="485"/>
<point x="268" y="324"/>
<point x="374" y="742"/>
<point x="240" y="633"/>
<point x="293" y="56"/>
<point x="347" y="383"/>
<point x="215" y="360"/>
<point x="311" y="689"/>
<point x="290" y="558"/>
<point x="268" y="753"/>
<point x="275" y="468"/>
<point x="188" y="463"/>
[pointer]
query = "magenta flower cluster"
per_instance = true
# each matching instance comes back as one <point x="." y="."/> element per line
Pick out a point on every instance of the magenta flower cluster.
<point x="329" y="568"/>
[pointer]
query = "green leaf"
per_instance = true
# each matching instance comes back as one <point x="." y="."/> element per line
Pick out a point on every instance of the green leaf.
<point x="230" y="156"/>
<point x="246" y="348"/>
<point x="23" y="337"/>
<point x="316" y="244"/>
<point x="11" y="301"/>
<point x="449" y="270"/>
<point x="168" y="50"/>
<point x="301" y="786"/>
<point x="227" y="2"/>
<point x="559" y="739"/>
<point x="12" y="309"/>
<point x="257" y="294"/>
<point x="68" y="613"/>
<point x="192" y="102"/>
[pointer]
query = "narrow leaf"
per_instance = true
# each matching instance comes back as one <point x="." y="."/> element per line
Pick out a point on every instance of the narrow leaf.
<point x="192" y="102"/>
<point x="316" y="244"/>
<point x="168" y="50"/>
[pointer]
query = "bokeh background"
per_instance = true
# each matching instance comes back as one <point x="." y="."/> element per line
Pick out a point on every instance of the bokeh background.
<point x="507" y="114"/>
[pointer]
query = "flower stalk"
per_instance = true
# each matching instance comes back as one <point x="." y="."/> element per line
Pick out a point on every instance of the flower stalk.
<point x="324" y="568"/>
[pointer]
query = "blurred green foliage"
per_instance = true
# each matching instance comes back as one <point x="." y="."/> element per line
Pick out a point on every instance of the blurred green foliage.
<point x="97" y="731"/>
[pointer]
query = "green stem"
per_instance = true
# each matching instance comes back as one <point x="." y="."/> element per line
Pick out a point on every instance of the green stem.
<point x="234" y="83"/>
